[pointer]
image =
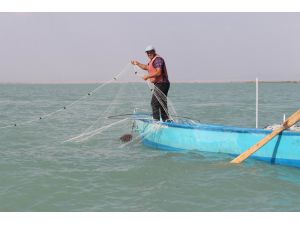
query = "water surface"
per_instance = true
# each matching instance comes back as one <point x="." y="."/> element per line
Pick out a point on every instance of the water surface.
<point x="41" y="172"/>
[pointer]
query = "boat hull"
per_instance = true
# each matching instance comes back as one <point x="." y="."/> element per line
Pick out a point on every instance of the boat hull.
<point x="283" y="149"/>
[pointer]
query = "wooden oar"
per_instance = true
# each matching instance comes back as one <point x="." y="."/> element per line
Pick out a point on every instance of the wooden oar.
<point x="288" y="123"/>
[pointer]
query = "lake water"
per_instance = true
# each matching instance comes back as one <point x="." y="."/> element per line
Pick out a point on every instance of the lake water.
<point x="39" y="171"/>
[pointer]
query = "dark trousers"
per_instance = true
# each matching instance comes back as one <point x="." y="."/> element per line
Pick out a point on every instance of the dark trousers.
<point x="159" y="102"/>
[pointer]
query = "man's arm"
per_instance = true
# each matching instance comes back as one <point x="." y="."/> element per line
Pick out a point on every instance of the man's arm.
<point x="157" y="73"/>
<point x="142" y="66"/>
<point x="158" y="65"/>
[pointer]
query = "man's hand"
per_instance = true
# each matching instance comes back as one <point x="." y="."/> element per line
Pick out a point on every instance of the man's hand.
<point x="134" y="62"/>
<point x="146" y="77"/>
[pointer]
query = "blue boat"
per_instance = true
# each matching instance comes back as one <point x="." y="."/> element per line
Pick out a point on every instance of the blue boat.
<point x="183" y="135"/>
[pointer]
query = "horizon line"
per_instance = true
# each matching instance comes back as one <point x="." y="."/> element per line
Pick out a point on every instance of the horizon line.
<point x="196" y="81"/>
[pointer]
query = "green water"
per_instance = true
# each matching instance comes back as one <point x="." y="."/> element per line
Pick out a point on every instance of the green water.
<point x="41" y="172"/>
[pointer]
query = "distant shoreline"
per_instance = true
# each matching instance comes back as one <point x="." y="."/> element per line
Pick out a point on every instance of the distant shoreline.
<point x="175" y="82"/>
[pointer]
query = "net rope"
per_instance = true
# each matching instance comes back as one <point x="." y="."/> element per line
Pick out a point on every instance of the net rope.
<point x="48" y="115"/>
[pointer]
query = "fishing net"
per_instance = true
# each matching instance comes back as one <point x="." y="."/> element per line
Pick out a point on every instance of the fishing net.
<point x="130" y="96"/>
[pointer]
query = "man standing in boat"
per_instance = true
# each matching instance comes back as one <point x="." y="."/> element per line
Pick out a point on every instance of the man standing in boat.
<point x="158" y="75"/>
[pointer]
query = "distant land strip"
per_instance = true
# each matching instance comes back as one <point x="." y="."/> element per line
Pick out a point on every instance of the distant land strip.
<point x="176" y="82"/>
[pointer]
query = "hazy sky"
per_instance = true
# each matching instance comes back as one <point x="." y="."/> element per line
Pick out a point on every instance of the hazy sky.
<point x="91" y="47"/>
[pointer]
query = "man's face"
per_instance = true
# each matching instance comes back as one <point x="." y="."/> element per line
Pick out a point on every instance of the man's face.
<point x="150" y="54"/>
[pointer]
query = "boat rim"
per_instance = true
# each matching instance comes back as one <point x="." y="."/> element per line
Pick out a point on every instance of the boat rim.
<point x="212" y="127"/>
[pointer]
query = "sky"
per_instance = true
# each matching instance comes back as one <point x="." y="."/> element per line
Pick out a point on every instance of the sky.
<point x="92" y="47"/>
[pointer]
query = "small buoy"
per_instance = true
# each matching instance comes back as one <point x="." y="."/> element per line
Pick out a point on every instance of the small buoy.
<point x="40" y="118"/>
<point x="15" y="124"/>
<point x="64" y="107"/>
<point x="89" y="94"/>
<point x="126" y="138"/>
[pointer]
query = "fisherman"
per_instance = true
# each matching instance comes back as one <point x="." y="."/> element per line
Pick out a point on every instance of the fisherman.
<point x="157" y="74"/>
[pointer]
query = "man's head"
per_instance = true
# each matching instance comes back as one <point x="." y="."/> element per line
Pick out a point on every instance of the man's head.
<point x="150" y="51"/>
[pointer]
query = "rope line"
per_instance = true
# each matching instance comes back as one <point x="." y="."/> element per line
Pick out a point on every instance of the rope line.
<point x="72" y="103"/>
<point x="87" y="135"/>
